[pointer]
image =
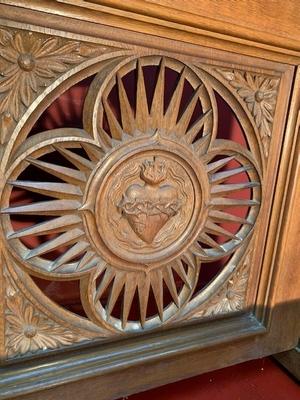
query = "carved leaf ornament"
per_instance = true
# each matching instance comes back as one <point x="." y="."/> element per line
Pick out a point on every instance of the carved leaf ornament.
<point x="28" y="330"/>
<point x="259" y="92"/>
<point x="137" y="198"/>
<point x="231" y="296"/>
<point x="28" y="64"/>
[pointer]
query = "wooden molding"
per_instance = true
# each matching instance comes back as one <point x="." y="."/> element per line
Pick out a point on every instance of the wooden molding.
<point x="158" y="21"/>
<point x="290" y="360"/>
<point x="218" y="17"/>
<point x="60" y="369"/>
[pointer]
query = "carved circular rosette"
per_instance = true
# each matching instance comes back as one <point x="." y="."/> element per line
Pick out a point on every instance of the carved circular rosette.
<point x="137" y="200"/>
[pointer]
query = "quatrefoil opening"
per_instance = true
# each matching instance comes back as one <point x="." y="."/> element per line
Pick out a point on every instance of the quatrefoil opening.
<point x="138" y="199"/>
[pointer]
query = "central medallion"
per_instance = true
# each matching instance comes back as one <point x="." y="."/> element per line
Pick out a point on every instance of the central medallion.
<point x="150" y="206"/>
<point x="146" y="201"/>
<point x="149" y="201"/>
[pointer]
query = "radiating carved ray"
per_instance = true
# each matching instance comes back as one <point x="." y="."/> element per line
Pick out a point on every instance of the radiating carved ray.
<point x="77" y="160"/>
<point x="226" y="202"/>
<point x="189" y="258"/>
<point x="129" y="291"/>
<point x="95" y="154"/>
<point x="64" y="239"/>
<point x="201" y="145"/>
<point x="88" y="260"/>
<point x="233" y="187"/>
<point x="142" y="111"/>
<point x="105" y="140"/>
<point x="225" y="217"/>
<point x="157" y="287"/>
<point x="115" y="143"/>
<point x="197" y="250"/>
<point x="109" y="274"/>
<point x="143" y="291"/>
<point x="128" y="122"/>
<point x="212" y="167"/>
<point x="116" y="289"/>
<point x="69" y="175"/>
<point x="70" y="254"/>
<point x="221" y="176"/>
<point x="55" y="225"/>
<point x="170" y="282"/>
<point x="89" y="255"/>
<point x="215" y="229"/>
<point x="52" y="189"/>
<point x="52" y="207"/>
<point x="195" y="128"/>
<point x="179" y="269"/>
<point x="204" y="238"/>
<point x="114" y="126"/>
<point x="171" y="114"/>
<point x="183" y="123"/>
<point x="157" y="106"/>
<point x="126" y="137"/>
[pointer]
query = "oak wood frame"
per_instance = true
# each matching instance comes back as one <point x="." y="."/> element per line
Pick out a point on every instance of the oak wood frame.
<point x="272" y="328"/>
<point x="290" y="360"/>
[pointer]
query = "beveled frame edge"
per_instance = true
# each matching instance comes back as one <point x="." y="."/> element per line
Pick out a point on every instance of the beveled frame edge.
<point x="159" y="25"/>
<point x="145" y="43"/>
<point x="290" y="360"/>
<point x="282" y="265"/>
<point x="138" y="9"/>
<point x="54" y="370"/>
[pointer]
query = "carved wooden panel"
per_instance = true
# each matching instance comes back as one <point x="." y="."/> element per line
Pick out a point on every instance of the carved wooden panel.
<point x="138" y="200"/>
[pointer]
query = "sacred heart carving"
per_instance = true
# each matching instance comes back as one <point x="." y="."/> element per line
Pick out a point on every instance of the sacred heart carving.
<point x="149" y="207"/>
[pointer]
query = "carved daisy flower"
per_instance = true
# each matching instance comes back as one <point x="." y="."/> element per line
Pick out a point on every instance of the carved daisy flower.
<point x="27" y="63"/>
<point x="231" y="298"/>
<point x="235" y="293"/>
<point x="28" y="331"/>
<point x="260" y="94"/>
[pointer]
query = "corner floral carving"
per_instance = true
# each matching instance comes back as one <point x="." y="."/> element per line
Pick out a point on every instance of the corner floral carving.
<point x="231" y="297"/>
<point x="259" y="92"/>
<point x="29" y="62"/>
<point x="27" y="330"/>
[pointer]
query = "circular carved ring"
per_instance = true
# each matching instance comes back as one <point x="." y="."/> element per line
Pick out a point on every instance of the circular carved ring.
<point x="146" y="192"/>
<point x="145" y="203"/>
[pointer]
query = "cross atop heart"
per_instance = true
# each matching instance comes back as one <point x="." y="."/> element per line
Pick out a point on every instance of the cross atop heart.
<point x="149" y="207"/>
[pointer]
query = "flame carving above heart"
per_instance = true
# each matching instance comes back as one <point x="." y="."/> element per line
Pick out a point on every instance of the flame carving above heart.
<point x="149" y="207"/>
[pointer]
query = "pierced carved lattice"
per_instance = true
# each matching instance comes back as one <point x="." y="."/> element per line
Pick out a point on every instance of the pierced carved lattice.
<point x="135" y="202"/>
<point x="143" y="199"/>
